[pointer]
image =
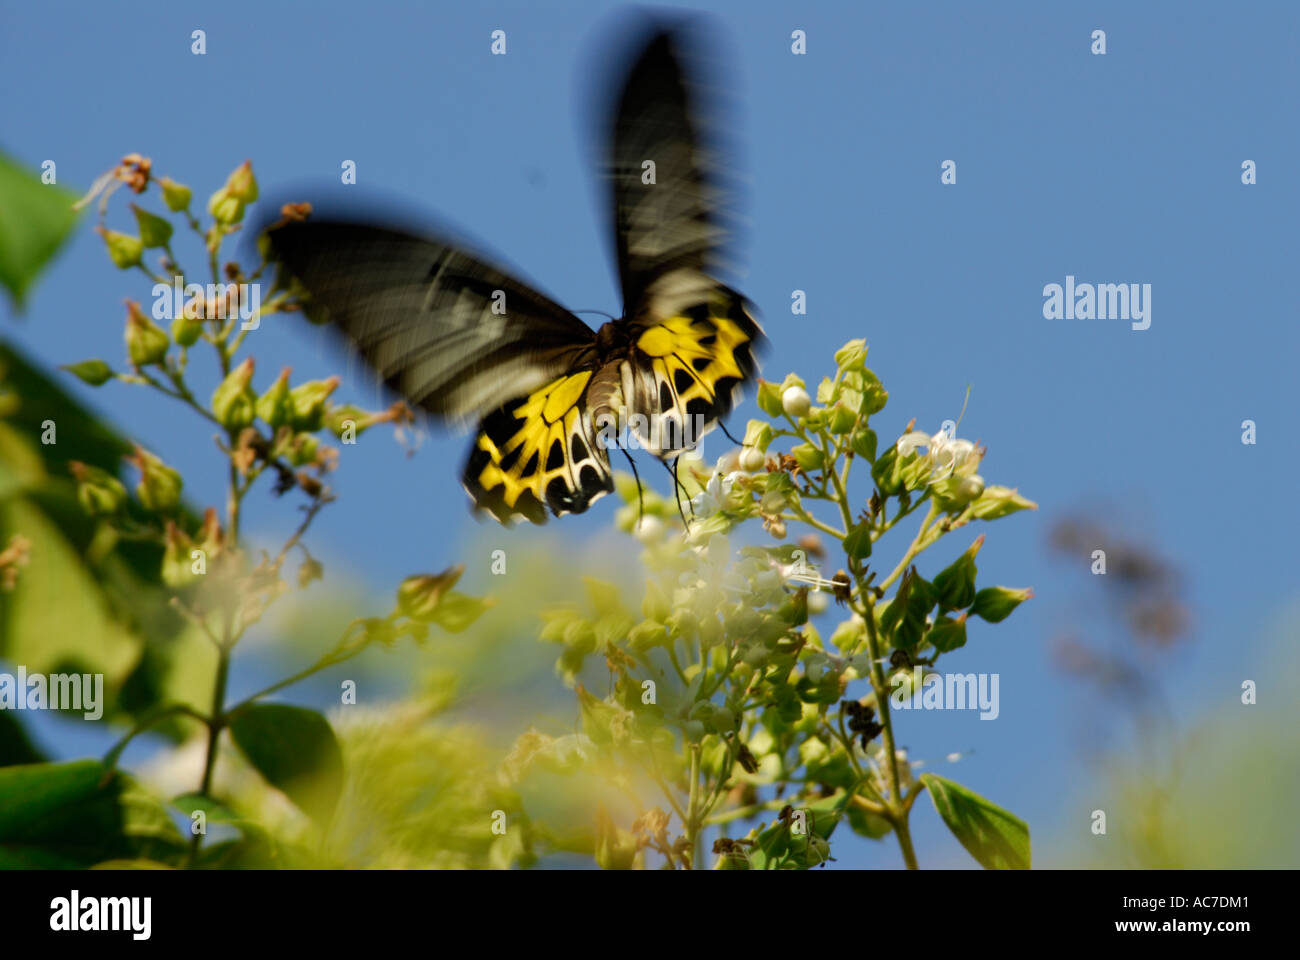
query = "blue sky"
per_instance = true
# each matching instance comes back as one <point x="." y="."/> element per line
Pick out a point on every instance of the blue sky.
<point x="1123" y="168"/>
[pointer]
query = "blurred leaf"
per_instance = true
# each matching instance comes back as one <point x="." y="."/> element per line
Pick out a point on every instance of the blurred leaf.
<point x="74" y="815"/>
<point x="130" y="633"/>
<point x="997" y="839"/>
<point x="296" y="751"/>
<point x="35" y="219"/>
<point x="15" y="747"/>
<point x="456" y="611"/>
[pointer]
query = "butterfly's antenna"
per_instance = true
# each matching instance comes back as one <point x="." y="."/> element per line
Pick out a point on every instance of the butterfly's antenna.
<point x="677" y="488"/>
<point x="728" y="433"/>
<point x="640" y="493"/>
<point x="601" y="312"/>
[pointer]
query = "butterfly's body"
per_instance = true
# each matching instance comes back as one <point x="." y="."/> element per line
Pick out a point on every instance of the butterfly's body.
<point x="462" y="338"/>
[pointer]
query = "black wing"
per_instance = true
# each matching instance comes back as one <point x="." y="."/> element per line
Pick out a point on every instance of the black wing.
<point x="666" y="114"/>
<point x="441" y="326"/>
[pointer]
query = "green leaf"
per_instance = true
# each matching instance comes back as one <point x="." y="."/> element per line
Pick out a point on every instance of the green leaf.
<point x="35" y="219"/>
<point x="998" y="840"/>
<point x="456" y="611"/>
<point x="75" y="815"/>
<point x="296" y="751"/>
<point x="15" y="746"/>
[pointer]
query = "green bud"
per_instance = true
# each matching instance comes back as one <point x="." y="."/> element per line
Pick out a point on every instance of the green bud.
<point x="769" y="398"/>
<point x="842" y="419"/>
<point x="93" y="372"/>
<point x="758" y="435"/>
<point x="159" y="489"/>
<point x="307" y="403"/>
<point x="225" y="209"/>
<point x="177" y="564"/>
<point x="273" y="407"/>
<point x="647" y="635"/>
<point x="615" y="849"/>
<point x="146" y="342"/>
<point x="810" y="459"/>
<point x="998" y="502"/>
<point x="864" y="444"/>
<point x="337" y="417"/>
<point x="185" y="331"/>
<point x="955" y="584"/>
<point x="233" y="402"/>
<point x="418" y="597"/>
<point x="175" y="195"/>
<point x="655" y="605"/>
<point x="852" y="356"/>
<point x="303" y="449"/>
<point x="99" y="492"/>
<point x="995" y="604"/>
<point x="947" y="634"/>
<point x="154" y="230"/>
<point x="124" y="251"/>
<point x="242" y="184"/>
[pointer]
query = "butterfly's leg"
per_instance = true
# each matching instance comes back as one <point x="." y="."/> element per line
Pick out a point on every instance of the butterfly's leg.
<point x="677" y="488"/>
<point x="640" y="493"/>
<point x="728" y="433"/>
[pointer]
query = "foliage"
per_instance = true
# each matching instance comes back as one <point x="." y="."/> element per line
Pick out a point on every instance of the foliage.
<point x="724" y="693"/>
<point x="69" y="517"/>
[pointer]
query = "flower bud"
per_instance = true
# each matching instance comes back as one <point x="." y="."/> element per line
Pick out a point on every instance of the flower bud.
<point x="307" y="402"/>
<point x="211" y="537"/>
<point x="99" y="492"/>
<point x="947" y="634"/>
<point x="233" y="402"/>
<point x="177" y="564"/>
<point x="160" y="486"/>
<point x="273" y="406"/>
<point x="768" y="397"/>
<point x="808" y="457"/>
<point x="146" y="342"/>
<point x="418" y="597"/>
<point x="796" y="402"/>
<point x="92" y="372"/>
<point x="175" y="195"/>
<point x="241" y="184"/>
<point x="752" y="460"/>
<point x="842" y="419"/>
<point x="955" y="585"/>
<point x="225" y="209"/>
<point x="995" y="604"/>
<point x="186" y="331"/>
<point x="154" y="230"/>
<point x="124" y="251"/>
<point x="852" y="356"/>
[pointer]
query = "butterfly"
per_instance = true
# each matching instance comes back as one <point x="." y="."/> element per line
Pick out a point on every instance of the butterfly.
<point x="465" y="340"/>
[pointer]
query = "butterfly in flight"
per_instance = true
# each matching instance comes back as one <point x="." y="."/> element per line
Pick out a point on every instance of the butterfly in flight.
<point x="466" y="341"/>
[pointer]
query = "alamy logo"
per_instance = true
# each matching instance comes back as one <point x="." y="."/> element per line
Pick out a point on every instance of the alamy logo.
<point x="216" y="301"/>
<point x="946" y="691"/>
<point x="57" y="691"/>
<point x="73" y="913"/>
<point x="1102" y="301"/>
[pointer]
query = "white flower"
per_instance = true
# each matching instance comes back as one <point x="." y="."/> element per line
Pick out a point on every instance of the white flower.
<point x="796" y="402"/>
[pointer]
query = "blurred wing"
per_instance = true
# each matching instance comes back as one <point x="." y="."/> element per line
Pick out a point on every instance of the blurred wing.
<point x="695" y="347"/>
<point x="539" y="452"/>
<point x="672" y="219"/>
<point x="428" y="316"/>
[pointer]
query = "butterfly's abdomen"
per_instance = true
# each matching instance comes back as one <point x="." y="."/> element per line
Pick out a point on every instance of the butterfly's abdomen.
<point x="605" y="393"/>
